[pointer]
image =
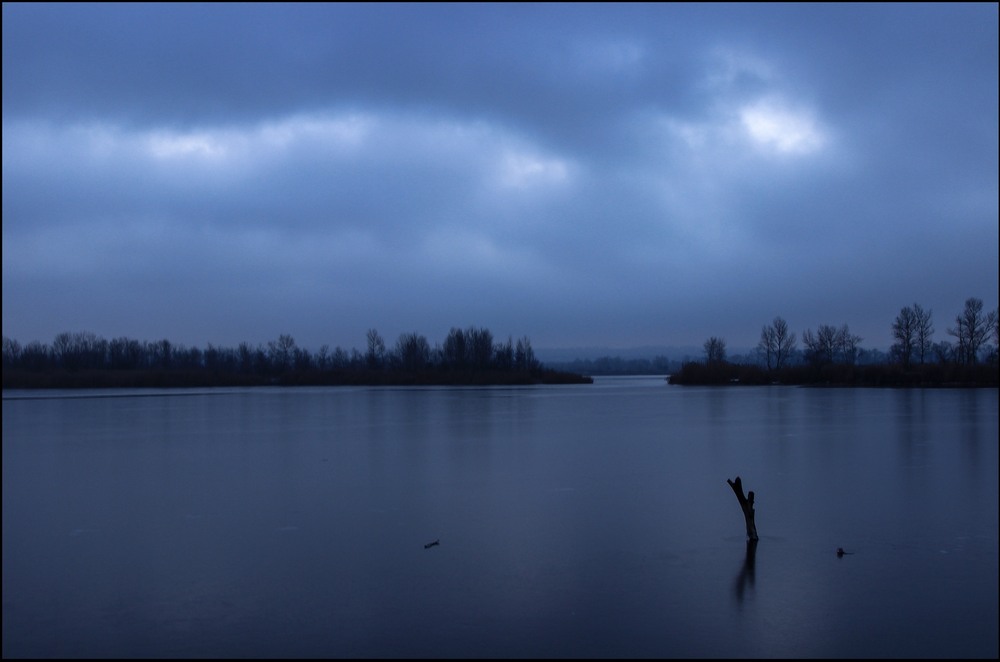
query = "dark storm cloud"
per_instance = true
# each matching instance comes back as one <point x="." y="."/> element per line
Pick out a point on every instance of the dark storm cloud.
<point x="584" y="174"/>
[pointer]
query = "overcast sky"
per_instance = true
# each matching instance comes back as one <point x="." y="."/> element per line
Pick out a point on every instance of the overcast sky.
<point x="582" y="174"/>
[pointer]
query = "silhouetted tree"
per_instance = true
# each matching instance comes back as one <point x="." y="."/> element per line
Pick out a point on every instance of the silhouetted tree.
<point x="820" y="348"/>
<point x="524" y="355"/>
<point x="715" y="351"/>
<point x="81" y="350"/>
<point x="503" y="354"/>
<point x="62" y="351"/>
<point x="784" y="343"/>
<point x="160" y="354"/>
<point x="125" y="353"/>
<point x="261" y="361"/>
<point x="37" y="356"/>
<point x="924" y="332"/>
<point x="831" y="345"/>
<point x="912" y="331"/>
<point x="413" y="352"/>
<point x="454" y="351"/>
<point x="479" y="347"/>
<point x="972" y="329"/>
<point x="213" y="358"/>
<point x="323" y="358"/>
<point x="995" y="355"/>
<point x="11" y="352"/>
<point x="375" y="356"/>
<point x="244" y="358"/>
<point x="340" y="360"/>
<point x="904" y="331"/>
<point x="281" y="353"/>
<point x="302" y="359"/>
<point x="188" y="358"/>
<point x="776" y="344"/>
<point x="847" y="345"/>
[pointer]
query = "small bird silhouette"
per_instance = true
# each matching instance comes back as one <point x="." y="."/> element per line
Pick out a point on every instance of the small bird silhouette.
<point x="841" y="552"/>
<point x="431" y="544"/>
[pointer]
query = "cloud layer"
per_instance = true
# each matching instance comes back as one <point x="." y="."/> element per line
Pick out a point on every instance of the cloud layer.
<point x="581" y="174"/>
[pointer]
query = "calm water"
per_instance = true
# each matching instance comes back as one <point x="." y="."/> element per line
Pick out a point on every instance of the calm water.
<point x="574" y="521"/>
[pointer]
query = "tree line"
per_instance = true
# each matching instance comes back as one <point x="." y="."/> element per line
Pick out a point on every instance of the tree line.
<point x="829" y="355"/>
<point x="832" y="354"/>
<point x="83" y="359"/>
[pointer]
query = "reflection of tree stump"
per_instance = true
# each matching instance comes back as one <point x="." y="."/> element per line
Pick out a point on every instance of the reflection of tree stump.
<point x="746" y="503"/>
<point x="746" y="576"/>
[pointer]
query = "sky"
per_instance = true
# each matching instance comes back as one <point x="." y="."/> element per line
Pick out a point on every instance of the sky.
<point x="585" y="175"/>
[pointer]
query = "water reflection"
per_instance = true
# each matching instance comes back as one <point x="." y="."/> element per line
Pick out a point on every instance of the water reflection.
<point x="746" y="577"/>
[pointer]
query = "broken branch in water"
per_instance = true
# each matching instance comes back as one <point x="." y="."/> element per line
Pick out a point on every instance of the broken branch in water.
<point x="746" y="503"/>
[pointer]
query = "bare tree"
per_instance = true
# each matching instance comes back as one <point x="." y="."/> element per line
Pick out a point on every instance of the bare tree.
<point x="776" y="343"/>
<point x="942" y="352"/>
<point x="972" y="329"/>
<point x="124" y="353"/>
<point x="454" y="351"/>
<point x="715" y="351"/>
<point x="479" y="347"/>
<point x="912" y="330"/>
<point x="924" y="332"/>
<point x="821" y="347"/>
<point x="996" y="339"/>
<point x="847" y="345"/>
<point x="11" y="352"/>
<point x="784" y="342"/>
<point x="37" y="356"/>
<point x="340" y="359"/>
<point x="524" y="355"/>
<point x="188" y="358"/>
<point x="245" y="357"/>
<point x="323" y="357"/>
<point x="765" y="346"/>
<point x="281" y="352"/>
<point x="904" y="331"/>
<point x="375" y="356"/>
<point x="302" y="359"/>
<point x="413" y="352"/>
<point x="62" y="350"/>
<point x="831" y="345"/>
<point x="82" y="349"/>
<point x="503" y="354"/>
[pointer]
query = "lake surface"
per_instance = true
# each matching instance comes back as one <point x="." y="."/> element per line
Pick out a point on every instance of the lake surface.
<point x="573" y="521"/>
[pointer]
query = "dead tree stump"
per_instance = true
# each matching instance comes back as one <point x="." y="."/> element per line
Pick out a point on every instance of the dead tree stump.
<point x="746" y="503"/>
